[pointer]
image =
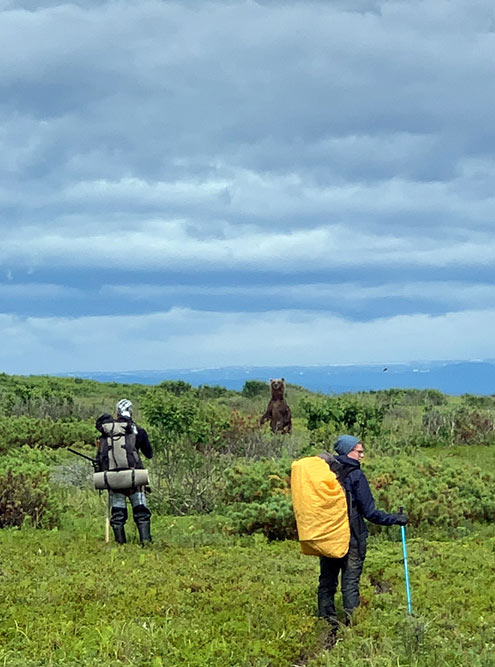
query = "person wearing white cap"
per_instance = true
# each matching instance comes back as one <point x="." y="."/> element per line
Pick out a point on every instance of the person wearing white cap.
<point x="136" y="442"/>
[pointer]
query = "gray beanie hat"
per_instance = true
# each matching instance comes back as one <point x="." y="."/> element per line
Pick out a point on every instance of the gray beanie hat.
<point x="345" y="444"/>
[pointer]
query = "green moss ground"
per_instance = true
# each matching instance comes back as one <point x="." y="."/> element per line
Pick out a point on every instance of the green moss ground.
<point x="201" y="597"/>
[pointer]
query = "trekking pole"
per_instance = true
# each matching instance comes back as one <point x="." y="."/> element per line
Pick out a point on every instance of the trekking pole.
<point x="406" y="568"/>
<point x="107" y="520"/>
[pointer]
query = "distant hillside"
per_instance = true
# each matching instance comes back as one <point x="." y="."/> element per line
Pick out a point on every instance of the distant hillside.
<point x="453" y="377"/>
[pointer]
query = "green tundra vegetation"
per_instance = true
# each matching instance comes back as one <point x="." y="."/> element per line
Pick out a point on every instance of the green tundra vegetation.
<point x="224" y="582"/>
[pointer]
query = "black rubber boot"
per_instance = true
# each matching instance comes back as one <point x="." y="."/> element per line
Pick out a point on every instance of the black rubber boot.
<point x="144" y="533"/>
<point x="119" y="532"/>
<point x="117" y="521"/>
<point x="326" y="610"/>
<point x="142" y="518"/>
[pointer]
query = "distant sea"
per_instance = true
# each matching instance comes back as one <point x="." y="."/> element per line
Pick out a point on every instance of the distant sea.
<point x="450" y="377"/>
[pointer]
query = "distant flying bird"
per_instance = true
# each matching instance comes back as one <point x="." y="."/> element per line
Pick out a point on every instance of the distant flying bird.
<point x="385" y="370"/>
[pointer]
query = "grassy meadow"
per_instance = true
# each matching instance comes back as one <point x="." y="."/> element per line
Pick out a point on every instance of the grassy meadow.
<point x="224" y="583"/>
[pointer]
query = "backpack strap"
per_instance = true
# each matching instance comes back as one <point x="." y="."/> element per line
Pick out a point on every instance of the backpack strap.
<point x="341" y="470"/>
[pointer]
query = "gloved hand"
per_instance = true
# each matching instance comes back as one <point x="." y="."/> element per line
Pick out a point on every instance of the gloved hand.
<point x="401" y="519"/>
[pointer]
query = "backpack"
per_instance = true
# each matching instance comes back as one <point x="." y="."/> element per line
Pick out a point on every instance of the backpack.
<point x="320" y="505"/>
<point x="117" y="449"/>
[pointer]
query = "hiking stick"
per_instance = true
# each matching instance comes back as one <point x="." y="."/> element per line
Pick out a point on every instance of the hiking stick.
<point x="107" y="521"/>
<point x="406" y="569"/>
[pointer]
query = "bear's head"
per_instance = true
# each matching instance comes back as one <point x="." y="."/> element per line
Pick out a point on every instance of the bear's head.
<point x="277" y="388"/>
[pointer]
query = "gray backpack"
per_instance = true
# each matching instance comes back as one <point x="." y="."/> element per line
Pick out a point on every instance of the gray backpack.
<point x="117" y="449"/>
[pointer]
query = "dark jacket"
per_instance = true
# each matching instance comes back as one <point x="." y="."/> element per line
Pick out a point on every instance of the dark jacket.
<point x="361" y="502"/>
<point x="143" y="443"/>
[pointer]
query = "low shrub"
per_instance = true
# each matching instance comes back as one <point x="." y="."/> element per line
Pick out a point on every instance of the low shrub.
<point x="37" y="401"/>
<point x="345" y="414"/>
<point x="256" y="497"/>
<point x="184" y="416"/>
<point x="323" y="438"/>
<point x="25" y="497"/>
<point x="18" y="431"/>
<point x="207" y="392"/>
<point x="31" y="461"/>
<point x="402" y="396"/>
<point x="253" y="388"/>
<point x="247" y="439"/>
<point x="444" y="493"/>
<point x="274" y="518"/>
<point x="184" y="481"/>
<point x="176" y="387"/>
<point x="464" y="426"/>
<point x="474" y="401"/>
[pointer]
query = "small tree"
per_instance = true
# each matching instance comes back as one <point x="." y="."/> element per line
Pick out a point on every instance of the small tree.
<point x="176" y="387"/>
<point x="253" y="388"/>
<point x="344" y="413"/>
<point x="188" y="436"/>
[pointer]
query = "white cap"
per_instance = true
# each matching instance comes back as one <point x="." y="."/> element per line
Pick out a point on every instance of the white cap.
<point x="124" y="408"/>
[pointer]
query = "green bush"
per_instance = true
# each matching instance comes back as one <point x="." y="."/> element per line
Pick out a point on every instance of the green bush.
<point x="31" y="461"/>
<point x="18" y="431"/>
<point x="28" y="497"/>
<point x="474" y="401"/>
<point x="254" y="388"/>
<point x="176" y="387"/>
<point x="184" y="480"/>
<point x="201" y="423"/>
<point x="206" y="392"/>
<point x="274" y="518"/>
<point x="346" y="414"/>
<point x="443" y="493"/>
<point x="323" y="438"/>
<point x="41" y="401"/>
<point x="256" y="497"/>
<point x="407" y="397"/>
<point x="247" y="439"/>
<point x="463" y="425"/>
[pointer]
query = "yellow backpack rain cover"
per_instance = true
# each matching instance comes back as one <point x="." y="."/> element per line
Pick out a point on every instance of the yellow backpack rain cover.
<point x="320" y="507"/>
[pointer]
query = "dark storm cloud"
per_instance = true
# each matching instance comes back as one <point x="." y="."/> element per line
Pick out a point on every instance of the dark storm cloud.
<point x="334" y="159"/>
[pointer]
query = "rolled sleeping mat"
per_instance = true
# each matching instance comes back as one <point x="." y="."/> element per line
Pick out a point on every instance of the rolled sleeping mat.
<point x="118" y="480"/>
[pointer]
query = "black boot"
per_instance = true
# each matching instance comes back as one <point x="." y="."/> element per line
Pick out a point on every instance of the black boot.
<point x="326" y="610"/>
<point x="119" y="532"/>
<point x="142" y="518"/>
<point x="117" y="521"/>
<point x="144" y="533"/>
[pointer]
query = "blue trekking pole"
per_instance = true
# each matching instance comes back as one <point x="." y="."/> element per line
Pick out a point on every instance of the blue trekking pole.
<point x="406" y="569"/>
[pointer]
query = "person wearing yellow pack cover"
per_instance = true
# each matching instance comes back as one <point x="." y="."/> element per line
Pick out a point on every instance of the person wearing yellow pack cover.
<point x="361" y="505"/>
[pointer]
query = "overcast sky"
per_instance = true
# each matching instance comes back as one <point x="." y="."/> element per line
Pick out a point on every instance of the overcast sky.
<point x="194" y="184"/>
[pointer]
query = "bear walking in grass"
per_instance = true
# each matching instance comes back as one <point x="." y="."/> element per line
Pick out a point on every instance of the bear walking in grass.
<point x="278" y="412"/>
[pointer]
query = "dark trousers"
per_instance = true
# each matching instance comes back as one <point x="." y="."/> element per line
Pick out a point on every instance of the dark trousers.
<point x="351" y="567"/>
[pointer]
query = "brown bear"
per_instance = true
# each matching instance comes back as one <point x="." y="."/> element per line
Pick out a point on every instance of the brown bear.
<point x="278" y="412"/>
